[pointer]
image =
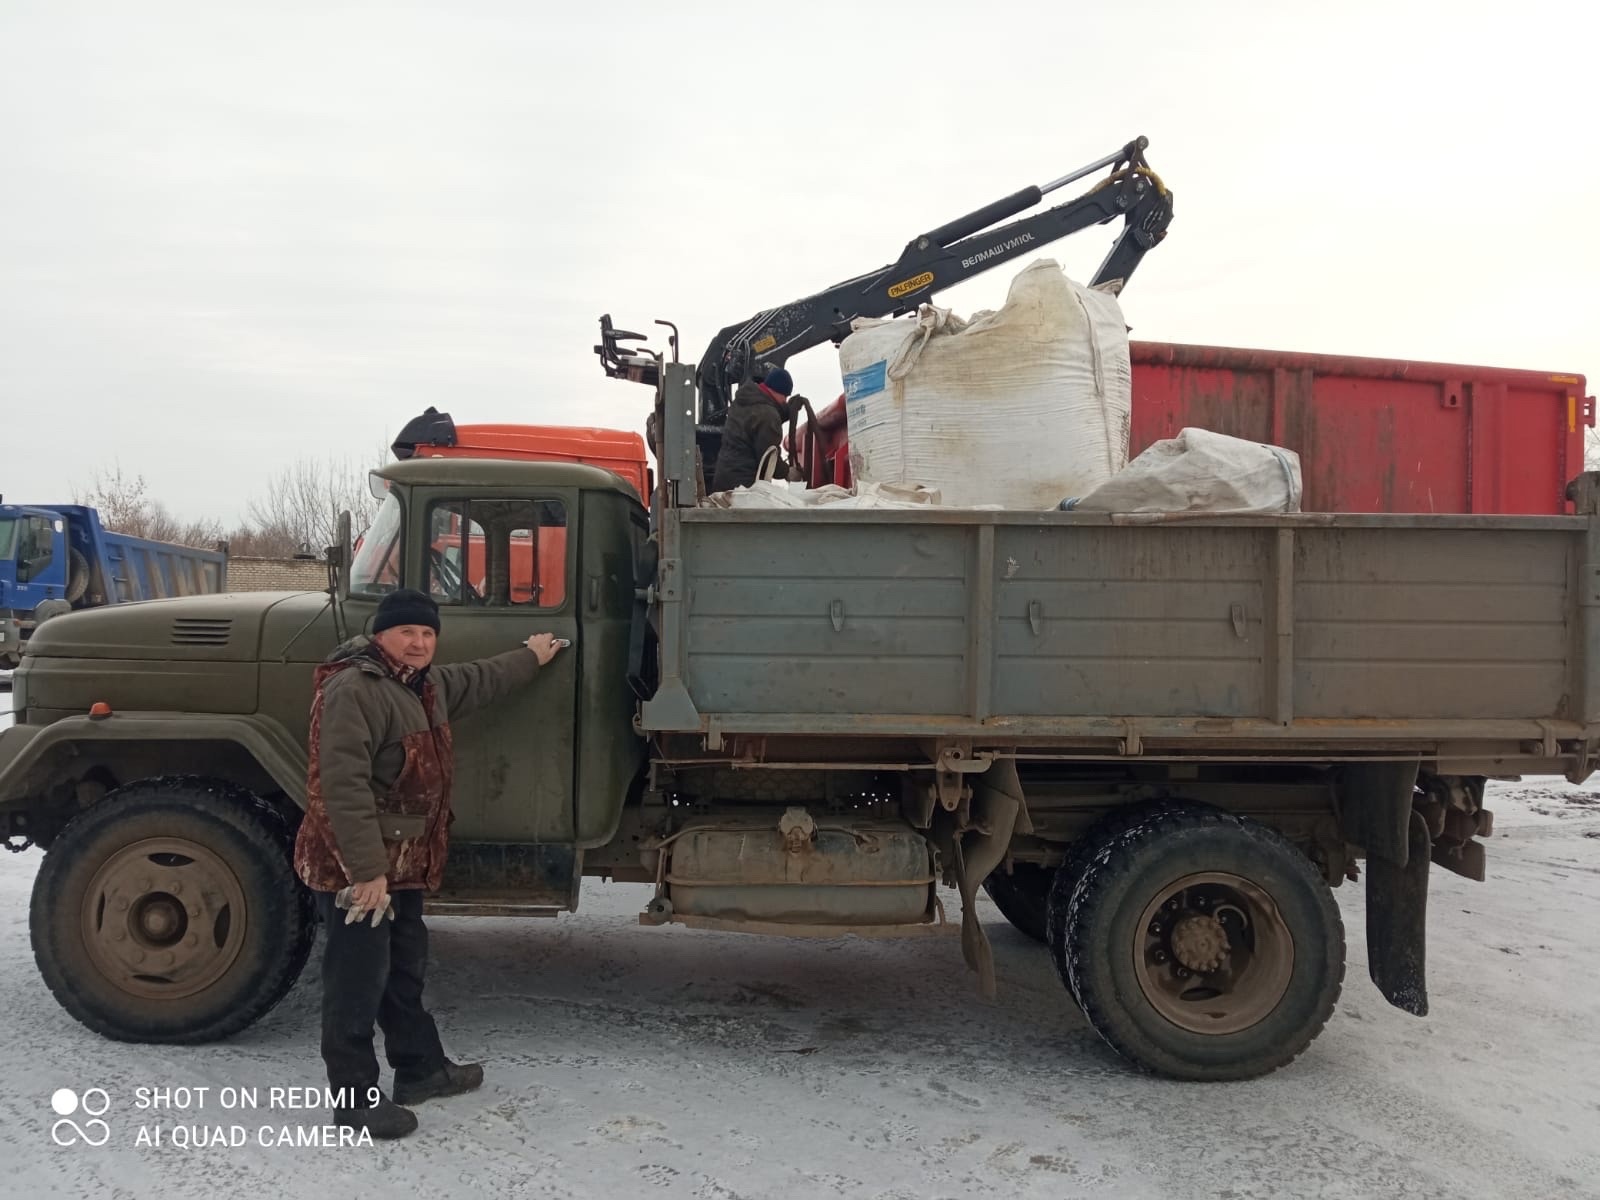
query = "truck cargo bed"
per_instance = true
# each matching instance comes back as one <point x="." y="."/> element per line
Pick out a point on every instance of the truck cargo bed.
<point x="1229" y="632"/>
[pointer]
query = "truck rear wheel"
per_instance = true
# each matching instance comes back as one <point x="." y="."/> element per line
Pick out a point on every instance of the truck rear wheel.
<point x="77" y="576"/>
<point x="170" y="912"/>
<point x="1203" y="946"/>
<point x="1064" y="880"/>
<point x="1022" y="896"/>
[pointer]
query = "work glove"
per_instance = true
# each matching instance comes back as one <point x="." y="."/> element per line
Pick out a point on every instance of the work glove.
<point x="357" y="912"/>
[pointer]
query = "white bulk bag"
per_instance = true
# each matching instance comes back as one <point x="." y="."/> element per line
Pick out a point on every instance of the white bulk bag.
<point x="1018" y="407"/>
<point x="1201" y="471"/>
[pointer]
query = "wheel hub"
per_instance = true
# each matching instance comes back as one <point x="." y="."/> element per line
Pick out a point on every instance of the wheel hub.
<point x="1212" y="953"/>
<point x="163" y="918"/>
<point x="1200" y="942"/>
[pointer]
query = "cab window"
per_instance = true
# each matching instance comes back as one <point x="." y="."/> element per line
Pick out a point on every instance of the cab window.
<point x="498" y="553"/>
<point x="376" y="565"/>
<point x="38" y="545"/>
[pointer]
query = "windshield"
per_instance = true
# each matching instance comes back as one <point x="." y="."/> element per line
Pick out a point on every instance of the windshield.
<point x="376" y="568"/>
<point x="8" y="538"/>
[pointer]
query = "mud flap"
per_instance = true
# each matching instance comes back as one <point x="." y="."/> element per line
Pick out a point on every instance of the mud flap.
<point x="997" y="805"/>
<point x="1397" y="906"/>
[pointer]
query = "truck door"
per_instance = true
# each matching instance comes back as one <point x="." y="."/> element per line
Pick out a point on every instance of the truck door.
<point x="41" y="561"/>
<point x="500" y="568"/>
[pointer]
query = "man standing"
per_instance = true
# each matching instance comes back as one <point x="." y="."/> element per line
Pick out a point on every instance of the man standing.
<point x="754" y="426"/>
<point x="377" y="823"/>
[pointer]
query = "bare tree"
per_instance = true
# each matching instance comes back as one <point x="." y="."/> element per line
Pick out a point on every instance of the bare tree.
<point x="125" y="506"/>
<point x="248" y="541"/>
<point x="120" y="499"/>
<point x="299" y="511"/>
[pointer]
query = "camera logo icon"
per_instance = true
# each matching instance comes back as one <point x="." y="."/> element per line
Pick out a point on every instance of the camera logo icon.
<point x="93" y="1104"/>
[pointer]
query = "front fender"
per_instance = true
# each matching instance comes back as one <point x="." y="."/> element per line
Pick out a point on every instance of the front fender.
<point x="24" y="749"/>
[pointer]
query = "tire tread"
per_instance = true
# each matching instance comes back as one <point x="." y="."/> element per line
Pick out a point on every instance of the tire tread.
<point x="1120" y="853"/>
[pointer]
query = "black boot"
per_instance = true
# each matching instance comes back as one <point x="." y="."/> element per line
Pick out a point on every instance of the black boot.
<point x="449" y="1080"/>
<point x="385" y="1120"/>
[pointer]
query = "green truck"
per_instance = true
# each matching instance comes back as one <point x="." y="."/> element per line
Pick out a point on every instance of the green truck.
<point x="1160" y="741"/>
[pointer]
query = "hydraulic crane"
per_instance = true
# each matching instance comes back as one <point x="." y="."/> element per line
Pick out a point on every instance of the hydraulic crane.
<point x="930" y="262"/>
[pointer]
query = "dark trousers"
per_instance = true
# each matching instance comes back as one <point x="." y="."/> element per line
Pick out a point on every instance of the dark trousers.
<point x="375" y="976"/>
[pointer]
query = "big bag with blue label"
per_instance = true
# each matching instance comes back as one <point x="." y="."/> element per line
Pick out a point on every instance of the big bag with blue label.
<point x="1017" y="408"/>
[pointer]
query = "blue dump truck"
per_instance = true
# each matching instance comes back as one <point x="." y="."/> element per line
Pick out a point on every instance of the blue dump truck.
<point x="58" y="558"/>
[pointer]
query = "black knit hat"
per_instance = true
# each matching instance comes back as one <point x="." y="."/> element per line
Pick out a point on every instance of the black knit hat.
<point x="406" y="607"/>
<point x="780" y="381"/>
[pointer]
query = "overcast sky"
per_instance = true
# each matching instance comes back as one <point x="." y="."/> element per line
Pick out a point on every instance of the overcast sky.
<point x="233" y="233"/>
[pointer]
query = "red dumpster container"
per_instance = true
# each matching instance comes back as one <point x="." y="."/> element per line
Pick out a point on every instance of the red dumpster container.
<point x="1373" y="435"/>
<point x="1378" y="435"/>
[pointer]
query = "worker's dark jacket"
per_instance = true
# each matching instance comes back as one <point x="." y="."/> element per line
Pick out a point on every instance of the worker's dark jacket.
<point x="378" y="791"/>
<point x="755" y="424"/>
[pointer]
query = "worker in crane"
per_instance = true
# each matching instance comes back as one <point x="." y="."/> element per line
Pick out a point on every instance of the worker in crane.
<point x="754" y="426"/>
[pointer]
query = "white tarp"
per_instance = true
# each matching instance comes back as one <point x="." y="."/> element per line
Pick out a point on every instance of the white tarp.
<point x="1015" y="408"/>
<point x="774" y="493"/>
<point x="1201" y="471"/>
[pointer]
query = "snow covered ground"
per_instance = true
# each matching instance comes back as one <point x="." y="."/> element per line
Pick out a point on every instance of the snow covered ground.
<point x="626" y="1061"/>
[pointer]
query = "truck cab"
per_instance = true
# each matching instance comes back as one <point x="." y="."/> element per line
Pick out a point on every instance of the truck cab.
<point x="35" y="567"/>
<point x="59" y="558"/>
<point x="511" y="548"/>
<point x="220" y="683"/>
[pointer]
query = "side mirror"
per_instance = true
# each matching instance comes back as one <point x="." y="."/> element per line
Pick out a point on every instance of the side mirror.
<point x="377" y="486"/>
<point x="340" y="556"/>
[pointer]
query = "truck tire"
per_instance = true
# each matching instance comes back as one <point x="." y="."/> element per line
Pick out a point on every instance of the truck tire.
<point x="1022" y="896"/>
<point x="46" y="609"/>
<point x="1203" y="946"/>
<point x="170" y="912"/>
<point x="77" y="576"/>
<point x="1106" y="829"/>
<point x="1025" y="896"/>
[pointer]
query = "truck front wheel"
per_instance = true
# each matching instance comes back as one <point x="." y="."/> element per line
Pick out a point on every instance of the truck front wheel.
<point x="1203" y="946"/>
<point x="170" y="912"/>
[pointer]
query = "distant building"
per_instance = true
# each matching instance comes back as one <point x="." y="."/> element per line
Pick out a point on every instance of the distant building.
<point x="277" y="574"/>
